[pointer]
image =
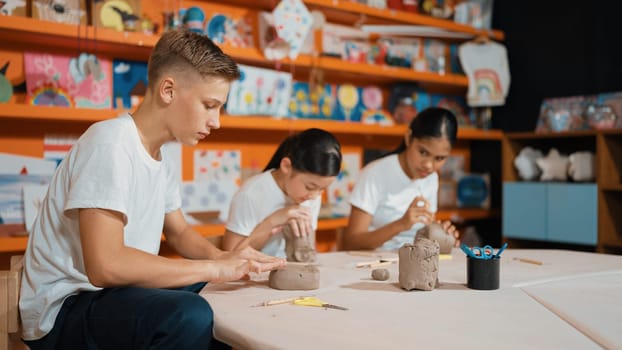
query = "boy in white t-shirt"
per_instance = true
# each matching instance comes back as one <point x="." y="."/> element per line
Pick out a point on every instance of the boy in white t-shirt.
<point x="92" y="274"/>
<point x="288" y="192"/>
<point x="396" y="195"/>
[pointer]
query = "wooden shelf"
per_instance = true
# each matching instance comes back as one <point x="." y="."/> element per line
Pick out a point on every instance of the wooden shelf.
<point x="612" y="188"/>
<point x="13" y="244"/>
<point x="351" y="13"/>
<point x="549" y="135"/>
<point x="51" y="35"/>
<point x="254" y="123"/>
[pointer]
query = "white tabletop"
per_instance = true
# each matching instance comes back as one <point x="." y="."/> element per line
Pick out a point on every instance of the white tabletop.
<point x="382" y="315"/>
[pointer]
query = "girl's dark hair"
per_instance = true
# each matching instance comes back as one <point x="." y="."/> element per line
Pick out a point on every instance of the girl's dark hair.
<point x="431" y="123"/>
<point x="314" y="151"/>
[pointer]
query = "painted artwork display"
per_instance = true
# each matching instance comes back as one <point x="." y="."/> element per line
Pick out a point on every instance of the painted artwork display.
<point x="293" y="22"/>
<point x="56" y="80"/>
<point x="259" y="91"/>
<point x="12" y="78"/>
<point x="338" y="193"/>
<point x="221" y="165"/>
<point x="317" y="104"/>
<point x="217" y="177"/>
<point x="224" y="29"/>
<point x="13" y="8"/>
<point x="121" y="15"/>
<point x="129" y="83"/>
<point x="65" y="11"/>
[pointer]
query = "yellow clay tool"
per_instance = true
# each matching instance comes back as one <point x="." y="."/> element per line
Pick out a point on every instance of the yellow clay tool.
<point x="313" y="301"/>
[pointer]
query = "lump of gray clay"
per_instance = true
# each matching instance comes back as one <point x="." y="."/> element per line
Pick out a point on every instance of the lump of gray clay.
<point x="436" y="232"/>
<point x="295" y="277"/>
<point x="418" y="265"/>
<point x="380" y="274"/>
<point x="298" y="249"/>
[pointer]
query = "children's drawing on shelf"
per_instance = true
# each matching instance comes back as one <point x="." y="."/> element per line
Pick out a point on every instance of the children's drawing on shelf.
<point x="373" y="113"/>
<point x="12" y="79"/>
<point x="56" y="80"/>
<point x="434" y="53"/>
<point x="221" y="165"/>
<point x="129" y="83"/>
<point x="67" y="11"/>
<point x="12" y="200"/>
<point x="312" y="102"/>
<point x="13" y="8"/>
<point x="120" y="15"/>
<point x="348" y="102"/>
<point x="293" y="22"/>
<point x="259" y="91"/>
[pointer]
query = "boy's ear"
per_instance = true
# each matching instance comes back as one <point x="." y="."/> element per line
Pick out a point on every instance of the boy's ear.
<point x="407" y="137"/>
<point x="286" y="165"/>
<point x="166" y="89"/>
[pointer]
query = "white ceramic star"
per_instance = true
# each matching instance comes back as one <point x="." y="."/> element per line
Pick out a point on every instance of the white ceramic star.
<point x="554" y="166"/>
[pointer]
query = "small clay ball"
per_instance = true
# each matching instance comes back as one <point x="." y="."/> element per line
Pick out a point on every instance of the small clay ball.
<point x="380" y="274"/>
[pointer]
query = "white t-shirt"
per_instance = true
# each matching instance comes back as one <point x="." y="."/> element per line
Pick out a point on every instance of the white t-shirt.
<point x="486" y="66"/>
<point x="107" y="168"/>
<point x="259" y="197"/>
<point x="385" y="192"/>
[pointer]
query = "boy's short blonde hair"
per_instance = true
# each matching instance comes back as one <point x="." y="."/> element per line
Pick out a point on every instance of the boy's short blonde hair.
<point x="186" y="51"/>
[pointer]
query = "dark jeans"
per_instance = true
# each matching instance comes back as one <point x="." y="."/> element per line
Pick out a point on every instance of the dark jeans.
<point x="133" y="318"/>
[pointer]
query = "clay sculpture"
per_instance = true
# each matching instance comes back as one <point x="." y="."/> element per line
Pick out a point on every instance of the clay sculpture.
<point x="418" y="264"/>
<point x="295" y="277"/>
<point x="436" y="232"/>
<point x="298" y="249"/>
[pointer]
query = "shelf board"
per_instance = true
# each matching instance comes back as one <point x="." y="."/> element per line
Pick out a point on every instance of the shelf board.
<point x="256" y="123"/>
<point x="15" y="244"/>
<point x="550" y="135"/>
<point x="138" y="46"/>
<point x="38" y="33"/>
<point x="352" y="13"/>
<point x="613" y="188"/>
<point x="615" y="243"/>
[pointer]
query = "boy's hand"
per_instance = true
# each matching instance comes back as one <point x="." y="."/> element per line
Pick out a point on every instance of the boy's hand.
<point x="258" y="262"/>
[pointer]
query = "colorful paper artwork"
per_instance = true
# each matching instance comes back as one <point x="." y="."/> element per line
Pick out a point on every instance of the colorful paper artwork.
<point x="117" y="14"/>
<point x="339" y="191"/>
<point x="129" y="83"/>
<point x="349" y="103"/>
<point x="217" y="176"/>
<point x="62" y="11"/>
<point x="222" y="165"/>
<point x="317" y="104"/>
<point x="12" y="78"/>
<point x="55" y="80"/>
<point x="259" y="91"/>
<point x="292" y="22"/>
<point x="207" y="196"/>
<point x="13" y="8"/>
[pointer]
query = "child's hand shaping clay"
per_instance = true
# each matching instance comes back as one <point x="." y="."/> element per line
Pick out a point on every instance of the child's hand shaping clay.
<point x="417" y="212"/>
<point x="298" y="219"/>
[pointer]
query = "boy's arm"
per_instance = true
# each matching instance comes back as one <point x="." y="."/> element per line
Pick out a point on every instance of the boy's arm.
<point x="109" y="263"/>
<point x="190" y="244"/>
<point x="185" y="240"/>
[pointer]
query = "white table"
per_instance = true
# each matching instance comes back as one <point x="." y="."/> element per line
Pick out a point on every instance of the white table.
<point x="381" y="315"/>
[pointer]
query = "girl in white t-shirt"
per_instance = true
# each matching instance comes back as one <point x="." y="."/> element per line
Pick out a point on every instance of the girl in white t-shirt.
<point x="396" y="195"/>
<point x="288" y="192"/>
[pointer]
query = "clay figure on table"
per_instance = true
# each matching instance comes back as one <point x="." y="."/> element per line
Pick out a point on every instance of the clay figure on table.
<point x="436" y="232"/>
